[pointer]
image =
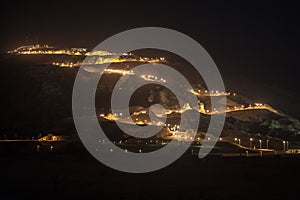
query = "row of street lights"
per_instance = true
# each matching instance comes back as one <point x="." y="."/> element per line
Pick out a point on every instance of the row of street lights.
<point x="238" y="141"/>
<point x="285" y="143"/>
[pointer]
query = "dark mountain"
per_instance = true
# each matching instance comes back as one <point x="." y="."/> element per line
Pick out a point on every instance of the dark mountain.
<point x="36" y="98"/>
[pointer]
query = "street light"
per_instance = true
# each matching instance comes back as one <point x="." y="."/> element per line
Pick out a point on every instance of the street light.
<point x="235" y="139"/>
<point x="251" y="139"/>
<point x="260" y="144"/>
<point x="267" y="144"/>
<point x="283" y="142"/>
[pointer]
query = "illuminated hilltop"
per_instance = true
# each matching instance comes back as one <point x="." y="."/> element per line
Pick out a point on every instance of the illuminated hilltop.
<point x="47" y="50"/>
<point x="98" y="57"/>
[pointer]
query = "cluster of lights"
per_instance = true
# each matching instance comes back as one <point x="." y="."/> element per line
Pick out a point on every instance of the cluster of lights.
<point x="258" y="104"/>
<point x="104" y="56"/>
<point x="71" y="64"/>
<point x="47" y="50"/>
<point x="118" y="71"/>
<point x="152" y="78"/>
<point x="171" y="127"/>
<point x="115" y="58"/>
<point x="207" y="111"/>
<point x="243" y="107"/>
<point x="211" y="93"/>
<point x="151" y="60"/>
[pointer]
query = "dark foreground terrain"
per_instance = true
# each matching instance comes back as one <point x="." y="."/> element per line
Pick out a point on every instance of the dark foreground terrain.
<point x="71" y="173"/>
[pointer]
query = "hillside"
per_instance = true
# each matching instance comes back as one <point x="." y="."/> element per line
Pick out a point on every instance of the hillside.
<point x="36" y="98"/>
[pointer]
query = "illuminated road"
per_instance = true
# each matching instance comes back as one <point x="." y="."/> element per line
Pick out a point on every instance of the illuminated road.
<point x="241" y="108"/>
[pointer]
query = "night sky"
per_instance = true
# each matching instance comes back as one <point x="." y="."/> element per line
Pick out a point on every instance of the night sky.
<point x="242" y="37"/>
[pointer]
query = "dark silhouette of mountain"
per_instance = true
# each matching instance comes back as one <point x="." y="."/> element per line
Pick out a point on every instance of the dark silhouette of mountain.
<point x="36" y="98"/>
